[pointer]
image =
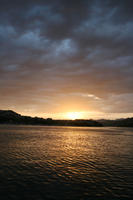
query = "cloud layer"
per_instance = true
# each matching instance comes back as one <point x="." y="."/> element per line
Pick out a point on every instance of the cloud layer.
<point x="59" y="56"/>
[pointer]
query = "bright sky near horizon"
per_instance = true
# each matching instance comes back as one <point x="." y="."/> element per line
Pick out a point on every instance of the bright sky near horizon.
<point x="67" y="59"/>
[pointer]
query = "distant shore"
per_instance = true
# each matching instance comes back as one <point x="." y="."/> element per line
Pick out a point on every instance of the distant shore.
<point x="11" y="117"/>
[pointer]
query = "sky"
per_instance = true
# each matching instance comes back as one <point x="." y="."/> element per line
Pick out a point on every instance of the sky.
<point x="67" y="58"/>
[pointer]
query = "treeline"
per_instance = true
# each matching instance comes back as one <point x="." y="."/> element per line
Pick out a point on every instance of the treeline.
<point x="11" y="117"/>
<point x="128" y="122"/>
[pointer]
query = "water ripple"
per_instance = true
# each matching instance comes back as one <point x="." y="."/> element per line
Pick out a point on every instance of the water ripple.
<point x="66" y="163"/>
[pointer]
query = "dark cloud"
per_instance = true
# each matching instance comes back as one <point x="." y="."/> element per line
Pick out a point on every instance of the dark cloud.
<point x="67" y="47"/>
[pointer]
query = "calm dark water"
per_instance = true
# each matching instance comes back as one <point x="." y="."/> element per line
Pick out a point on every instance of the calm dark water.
<point x="66" y="163"/>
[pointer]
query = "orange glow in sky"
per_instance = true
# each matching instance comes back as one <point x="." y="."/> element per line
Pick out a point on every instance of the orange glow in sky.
<point x="74" y="115"/>
<point x="64" y="59"/>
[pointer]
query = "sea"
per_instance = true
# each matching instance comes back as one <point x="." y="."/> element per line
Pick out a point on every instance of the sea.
<point x="66" y="163"/>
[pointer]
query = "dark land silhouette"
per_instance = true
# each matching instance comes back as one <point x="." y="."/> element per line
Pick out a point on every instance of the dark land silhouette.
<point x="11" y="117"/>
<point x="124" y="122"/>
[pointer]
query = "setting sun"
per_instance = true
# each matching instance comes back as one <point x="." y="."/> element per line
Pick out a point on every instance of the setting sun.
<point x="74" y="115"/>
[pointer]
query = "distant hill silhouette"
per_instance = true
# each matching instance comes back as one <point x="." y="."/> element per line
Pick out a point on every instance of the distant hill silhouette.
<point x="128" y="122"/>
<point x="11" y="117"/>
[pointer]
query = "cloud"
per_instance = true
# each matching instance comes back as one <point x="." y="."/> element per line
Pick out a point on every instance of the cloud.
<point x="78" y="47"/>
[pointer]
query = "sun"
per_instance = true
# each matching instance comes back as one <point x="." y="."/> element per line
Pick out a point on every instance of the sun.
<point x="73" y="115"/>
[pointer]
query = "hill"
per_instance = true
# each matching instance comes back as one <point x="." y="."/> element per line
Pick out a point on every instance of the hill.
<point x="128" y="122"/>
<point x="11" y="117"/>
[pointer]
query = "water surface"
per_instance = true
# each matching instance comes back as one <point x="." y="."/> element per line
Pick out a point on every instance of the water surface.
<point x="62" y="163"/>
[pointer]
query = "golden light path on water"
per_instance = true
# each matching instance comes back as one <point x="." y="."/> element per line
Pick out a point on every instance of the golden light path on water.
<point x="74" y="162"/>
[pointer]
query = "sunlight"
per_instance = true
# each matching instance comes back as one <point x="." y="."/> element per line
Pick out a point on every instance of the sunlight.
<point x="74" y="115"/>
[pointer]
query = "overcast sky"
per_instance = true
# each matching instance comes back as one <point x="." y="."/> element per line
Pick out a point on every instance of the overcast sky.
<point x="59" y="56"/>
